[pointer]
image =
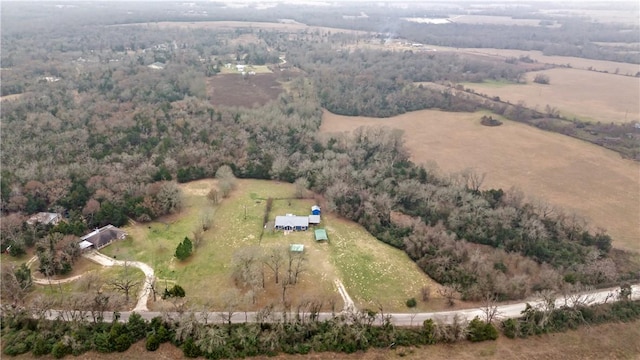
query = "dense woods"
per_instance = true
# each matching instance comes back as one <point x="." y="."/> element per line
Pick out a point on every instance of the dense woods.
<point x="102" y="138"/>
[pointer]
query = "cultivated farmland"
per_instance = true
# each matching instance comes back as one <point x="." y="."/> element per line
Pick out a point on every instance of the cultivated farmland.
<point x="586" y="95"/>
<point x="243" y="90"/>
<point x="580" y="177"/>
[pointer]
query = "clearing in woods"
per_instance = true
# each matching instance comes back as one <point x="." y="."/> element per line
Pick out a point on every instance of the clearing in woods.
<point x="589" y="180"/>
<point x="243" y="90"/>
<point x="370" y="270"/>
<point x="586" y="95"/>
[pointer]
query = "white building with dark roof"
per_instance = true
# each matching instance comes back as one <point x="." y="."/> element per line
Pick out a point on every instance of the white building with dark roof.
<point x="292" y="222"/>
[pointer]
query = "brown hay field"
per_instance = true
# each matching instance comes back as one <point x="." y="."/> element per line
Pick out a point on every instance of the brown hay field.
<point x="589" y="180"/>
<point x="587" y="95"/>
<point x="574" y="62"/>
<point x="283" y="26"/>
<point x="237" y="90"/>
<point x="607" y="341"/>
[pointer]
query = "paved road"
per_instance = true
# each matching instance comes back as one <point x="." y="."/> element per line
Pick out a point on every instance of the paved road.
<point x="400" y="319"/>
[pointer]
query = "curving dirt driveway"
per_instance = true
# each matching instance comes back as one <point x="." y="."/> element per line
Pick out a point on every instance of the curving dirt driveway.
<point x="146" y="289"/>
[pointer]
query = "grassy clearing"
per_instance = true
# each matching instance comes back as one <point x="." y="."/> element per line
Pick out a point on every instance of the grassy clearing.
<point x="374" y="272"/>
<point x="589" y="180"/>
<point x="369" y="269"/>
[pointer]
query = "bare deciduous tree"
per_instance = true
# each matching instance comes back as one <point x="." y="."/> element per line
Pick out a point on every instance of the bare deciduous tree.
<point x="226" y="180"/>
<point x="301" y="186"/>
<point x="273" y="257"/>
<point x="125" y="282"/>
<point x="490" y="307"/>
<point x="449" y="293"/>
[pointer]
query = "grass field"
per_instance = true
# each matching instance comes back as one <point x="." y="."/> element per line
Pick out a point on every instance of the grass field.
<point x="580" y="177"/>
<point x="574" y="62"/>
<point x="374" y="272"/>
<point x="587" y="95"/>
<point x="370" y="270"/>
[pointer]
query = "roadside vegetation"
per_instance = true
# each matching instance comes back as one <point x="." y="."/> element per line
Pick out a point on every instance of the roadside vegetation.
<point x="272" y="335"/>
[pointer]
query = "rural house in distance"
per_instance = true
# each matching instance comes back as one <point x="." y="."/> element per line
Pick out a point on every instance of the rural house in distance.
<point x="45" y="218"/>
<point x="100" y="238"/>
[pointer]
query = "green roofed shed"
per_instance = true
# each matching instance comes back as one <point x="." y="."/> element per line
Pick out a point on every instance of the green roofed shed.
<point x="298" y="248"/>
<point x="321" y="234"/>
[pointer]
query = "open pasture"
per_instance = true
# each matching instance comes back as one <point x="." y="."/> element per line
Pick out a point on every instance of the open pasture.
<point x="589" y="180"/>
<point x="586" y="95"/>
<point x="370" y="270"/>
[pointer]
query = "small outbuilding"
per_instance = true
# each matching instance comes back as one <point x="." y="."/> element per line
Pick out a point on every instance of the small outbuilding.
<point x="45" y="218"/>
<point x="296" y="248"/>
<point x="321" y="235"/>
<point x="315" y="210"/>
<point x="314" y="219"/>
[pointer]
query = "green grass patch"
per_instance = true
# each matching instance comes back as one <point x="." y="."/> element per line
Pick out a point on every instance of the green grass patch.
<point x="374" y="272"/>
<point x="370" y="270"/>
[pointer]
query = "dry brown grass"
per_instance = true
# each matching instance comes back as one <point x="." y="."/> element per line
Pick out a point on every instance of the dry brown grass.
<point x="574" y="62"/>
<point x="587" y="95"/>
<point x="608" y="341"/>
<point x="286" y="27"/>
<point x="580" y="177"/>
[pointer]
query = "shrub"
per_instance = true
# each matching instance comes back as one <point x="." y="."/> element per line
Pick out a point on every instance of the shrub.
<point x="189" y="349"/>
<point x="123" y="342"/>
<point x="137" y="327"/>
<point x="429" y="329"/>
<point x="510" y="328"/>
<point x="478" y="330"/>
<point x="411" y="303"/>
<point x="60" y="350"/>
<point x="153" y="343"/>
<point x="542" y="79"/>
<point x="184" y="249"/>
<point x="102" y="342"/>
<point x="41" y="346"/>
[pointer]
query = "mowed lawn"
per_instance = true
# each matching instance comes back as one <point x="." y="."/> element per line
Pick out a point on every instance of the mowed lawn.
<point x="589" y="180"/>
<point x="369" y="269"/>
<point x="585" y="95"/>
<point x="373" y="272"/>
